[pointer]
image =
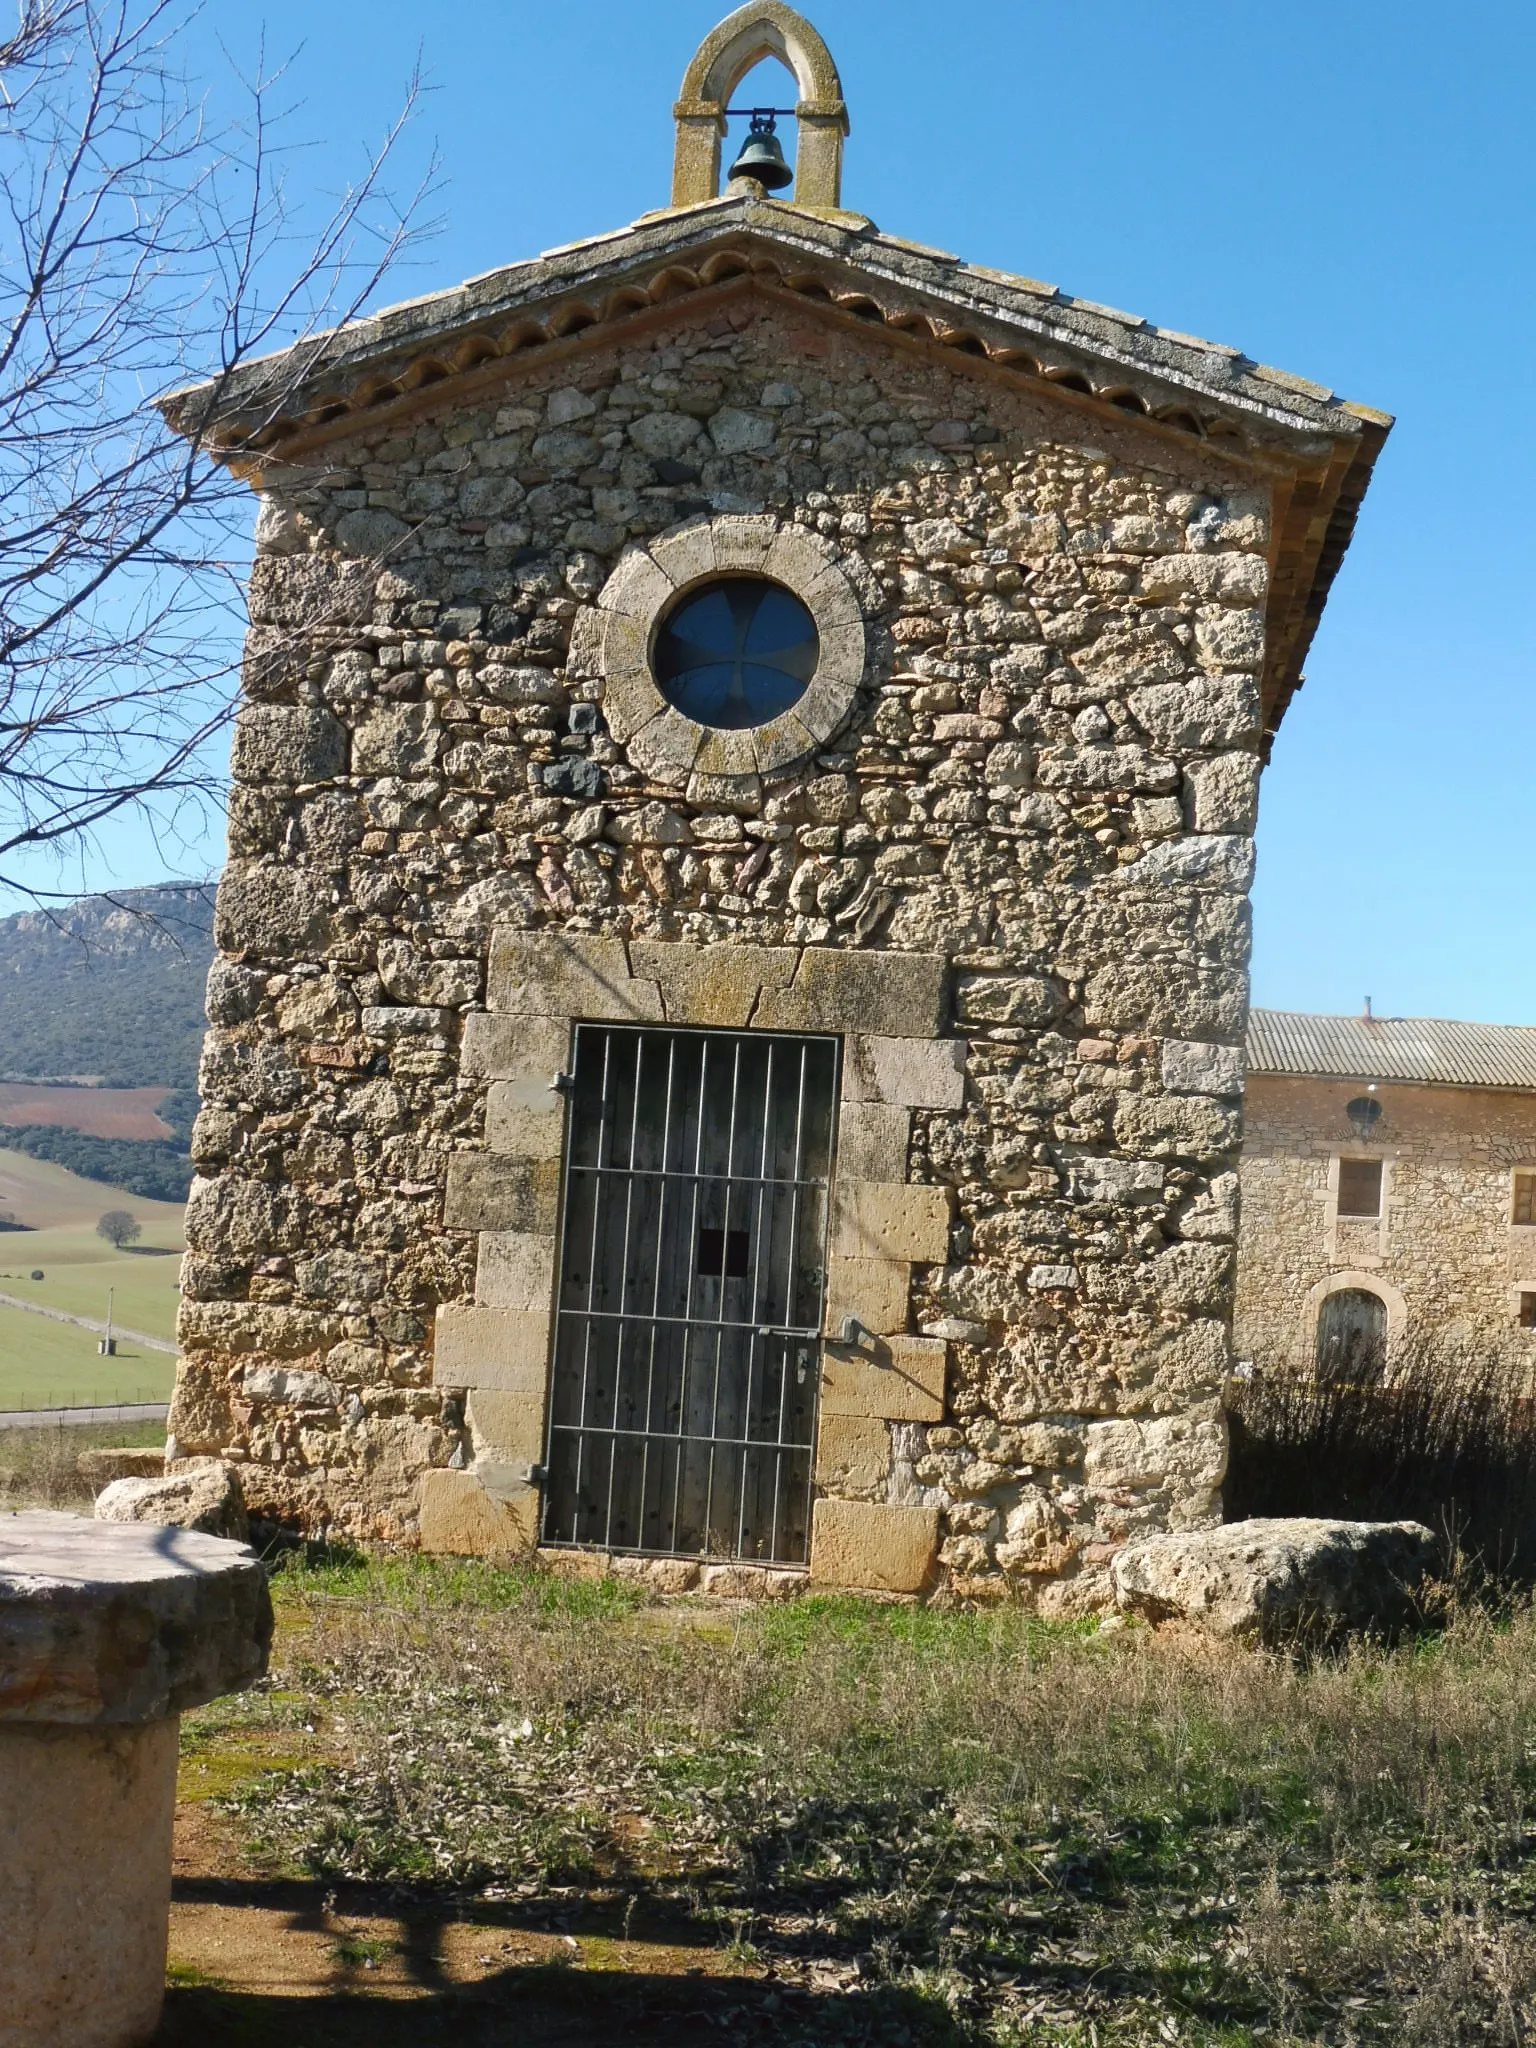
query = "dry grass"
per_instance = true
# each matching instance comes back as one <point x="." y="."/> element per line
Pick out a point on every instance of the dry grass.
<point x="38" y="1467"/>
<point x="1042" y="1835"/>
<point x="1446" y="1437"/>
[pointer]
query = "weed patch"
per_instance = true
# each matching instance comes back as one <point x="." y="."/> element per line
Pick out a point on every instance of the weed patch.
<point x="39" y="1467"/>
<point x="1034" y="1834"/>
<point x="1442" y="1436"/>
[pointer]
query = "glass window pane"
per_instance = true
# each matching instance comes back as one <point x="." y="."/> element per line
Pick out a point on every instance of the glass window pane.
<point x="736" y="653"/>
<point x="1359" y="1187"/>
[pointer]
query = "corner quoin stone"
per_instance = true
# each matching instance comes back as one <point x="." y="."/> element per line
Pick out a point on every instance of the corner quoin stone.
<point x="919" y="1073"/>
<point x="515" y="1270"/>
<point x="876" y="1292"/>
<point x="499" y="1349"/>
<point x="891" y="1220"/>
<point x="872" y="1547"/>
<point x="458" y="1518"/>
<point x="873" y="1140"/>
<point x="529" y="1050"/>
<point x="510" y="1427"/>
<point x="493" y="1191"/>
<point x="1194" y="1068"/>
<point x="901" y="1379"/>
<point x="853" y="1451"/>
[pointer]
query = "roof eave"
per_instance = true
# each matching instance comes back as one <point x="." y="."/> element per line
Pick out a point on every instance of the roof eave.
<point x="1317" y="450"/>
<point x="318" y="366"/>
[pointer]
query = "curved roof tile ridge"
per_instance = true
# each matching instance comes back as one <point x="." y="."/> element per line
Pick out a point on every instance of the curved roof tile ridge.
<point x="1314" y="451"/>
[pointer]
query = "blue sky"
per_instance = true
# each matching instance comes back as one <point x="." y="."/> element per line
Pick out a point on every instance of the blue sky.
<point x="1341" y="189"/>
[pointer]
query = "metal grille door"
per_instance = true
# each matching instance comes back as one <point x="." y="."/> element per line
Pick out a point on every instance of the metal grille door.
<point x="687" y="1355"/>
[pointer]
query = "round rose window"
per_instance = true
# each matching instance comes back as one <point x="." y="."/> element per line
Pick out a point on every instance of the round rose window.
<point x="736" y="652"/>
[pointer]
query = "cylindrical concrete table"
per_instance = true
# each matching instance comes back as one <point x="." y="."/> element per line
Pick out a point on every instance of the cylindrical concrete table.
<point x="108" y="1632"/>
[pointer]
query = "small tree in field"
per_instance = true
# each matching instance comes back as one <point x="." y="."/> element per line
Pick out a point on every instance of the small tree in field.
<point x="119" y="1228"/>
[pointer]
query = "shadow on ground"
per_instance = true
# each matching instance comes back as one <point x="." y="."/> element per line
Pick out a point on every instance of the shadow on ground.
<point x="553" y="2009"/>
<point x="310" y="1966"/>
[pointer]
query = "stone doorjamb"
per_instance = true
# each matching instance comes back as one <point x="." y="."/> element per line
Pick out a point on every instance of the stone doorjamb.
<point x="497" y="1350"/>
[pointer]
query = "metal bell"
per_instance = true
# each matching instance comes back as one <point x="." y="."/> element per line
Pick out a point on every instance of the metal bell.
<point x="762" y="157"/>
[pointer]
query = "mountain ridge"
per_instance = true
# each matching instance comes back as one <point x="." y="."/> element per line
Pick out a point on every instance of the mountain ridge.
<point x="109" y="991"/>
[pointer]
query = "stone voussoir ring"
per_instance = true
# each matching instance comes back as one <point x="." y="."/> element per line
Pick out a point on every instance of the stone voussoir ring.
<point x="617" y="643"/>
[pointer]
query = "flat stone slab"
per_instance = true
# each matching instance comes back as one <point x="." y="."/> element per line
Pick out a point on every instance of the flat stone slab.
<point x="122" y="1622"/>
<point x="1283" y="1579"/>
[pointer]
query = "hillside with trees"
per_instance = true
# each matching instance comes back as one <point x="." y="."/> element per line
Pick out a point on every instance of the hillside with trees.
<point x="107" y="991"/>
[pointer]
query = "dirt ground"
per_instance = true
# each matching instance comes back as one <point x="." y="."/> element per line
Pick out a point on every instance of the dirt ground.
<point x="262" y="1962"/>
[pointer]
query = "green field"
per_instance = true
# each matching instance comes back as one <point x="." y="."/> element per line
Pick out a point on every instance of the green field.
<point x="78" y="1269"/>
<point x="49" y="1364"/>
<point x="44" y="1364"/>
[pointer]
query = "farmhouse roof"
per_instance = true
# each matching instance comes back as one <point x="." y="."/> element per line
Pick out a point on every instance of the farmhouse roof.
<point x="1315" y="449"/>
<point x="1364" y="1049"/>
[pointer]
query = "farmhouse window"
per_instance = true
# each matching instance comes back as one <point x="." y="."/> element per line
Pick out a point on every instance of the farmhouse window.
<point x="692" y="1284"/>
<point x="1359" y="1187"/>
<point x="1528" y="1311"/>
<point x="1525" y="1198"/>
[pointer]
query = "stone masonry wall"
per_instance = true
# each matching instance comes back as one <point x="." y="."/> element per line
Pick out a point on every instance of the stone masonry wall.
<point x="1051" y="778"/>
<point x="1445" y="1256"/>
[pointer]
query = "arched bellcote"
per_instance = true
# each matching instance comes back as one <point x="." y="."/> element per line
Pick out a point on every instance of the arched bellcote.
<point x="724" y="59"/>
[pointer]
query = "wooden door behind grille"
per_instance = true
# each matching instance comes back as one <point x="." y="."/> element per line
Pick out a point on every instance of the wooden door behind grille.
<point x="692" y="1279"/>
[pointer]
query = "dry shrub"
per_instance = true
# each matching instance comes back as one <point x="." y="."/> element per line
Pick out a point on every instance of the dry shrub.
<point x="1436" y="1975"/>
<point x="39" y="1467"/>
<point x="1446" y="1437"/>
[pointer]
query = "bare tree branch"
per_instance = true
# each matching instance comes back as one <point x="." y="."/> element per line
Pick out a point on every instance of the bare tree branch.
<point x="140" y="250"/>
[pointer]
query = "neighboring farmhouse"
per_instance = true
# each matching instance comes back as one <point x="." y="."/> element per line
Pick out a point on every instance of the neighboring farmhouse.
<point x="1388" y="1189"/>
<point x="728" y="1041"/>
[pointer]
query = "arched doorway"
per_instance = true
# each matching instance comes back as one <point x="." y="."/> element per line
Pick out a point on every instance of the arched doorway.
<point x="1351" y="1335"/>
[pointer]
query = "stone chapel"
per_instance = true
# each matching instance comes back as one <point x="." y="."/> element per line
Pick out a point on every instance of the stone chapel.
<point x="726" y="1051"/>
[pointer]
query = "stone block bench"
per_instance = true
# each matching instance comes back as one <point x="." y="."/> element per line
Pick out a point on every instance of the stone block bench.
<point x="108" y="1633"/>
